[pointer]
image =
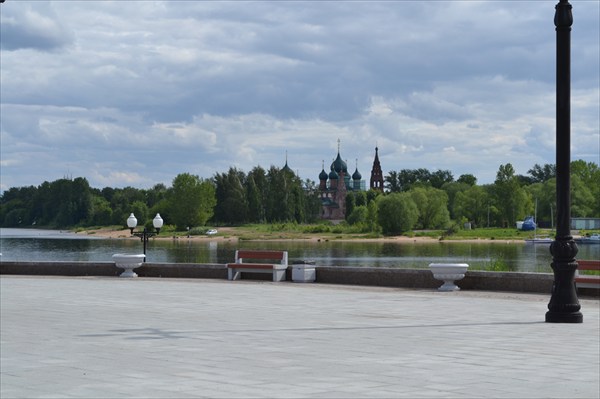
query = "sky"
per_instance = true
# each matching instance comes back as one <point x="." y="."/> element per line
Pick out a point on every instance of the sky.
<point x="133" y="93"/>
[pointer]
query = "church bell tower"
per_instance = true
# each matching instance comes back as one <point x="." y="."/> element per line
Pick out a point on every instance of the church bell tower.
<point x="376" y="173"/>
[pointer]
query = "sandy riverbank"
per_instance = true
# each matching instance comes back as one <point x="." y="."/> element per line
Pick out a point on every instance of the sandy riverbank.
<point x="230" y="234"/>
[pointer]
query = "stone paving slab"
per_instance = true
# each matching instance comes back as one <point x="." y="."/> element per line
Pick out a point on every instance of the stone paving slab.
<point x="101" y="337"/>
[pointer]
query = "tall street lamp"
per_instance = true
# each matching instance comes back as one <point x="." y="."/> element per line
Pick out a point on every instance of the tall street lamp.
<point x="157" y="222"/>
<point x="564" y="305"/>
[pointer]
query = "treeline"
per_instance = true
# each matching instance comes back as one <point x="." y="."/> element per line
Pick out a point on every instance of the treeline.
<point x="413" y="198"/>
<point x="276" y="195"/>
<point x="440" y="199"/>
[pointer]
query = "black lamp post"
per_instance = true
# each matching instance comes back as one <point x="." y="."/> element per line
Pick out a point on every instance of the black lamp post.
<point x="564" y="305"/>
<point x="157" y="222"/>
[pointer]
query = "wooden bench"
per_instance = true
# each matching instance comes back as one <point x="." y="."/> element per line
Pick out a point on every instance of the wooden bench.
<point x="588" y="280"/>
<point x="277" y="269"/>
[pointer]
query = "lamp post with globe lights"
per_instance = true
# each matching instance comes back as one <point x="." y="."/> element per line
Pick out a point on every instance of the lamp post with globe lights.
<point x="144" y="235"/>
<point x="564" y="305"/>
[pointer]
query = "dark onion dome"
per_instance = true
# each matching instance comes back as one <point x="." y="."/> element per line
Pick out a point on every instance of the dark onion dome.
<point x="323" y="175"/>
<point x="356" y="175"/>
<point x="333" y="174"/>
<point x="286" y="168"/>
<point x="339" y="165"/>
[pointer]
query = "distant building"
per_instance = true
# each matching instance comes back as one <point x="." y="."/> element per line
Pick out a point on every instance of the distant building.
<point x="585" y="223"/>
<point x="376" y="174"/>
<point x="286" y="168"/>
<point x="334" y="186"/>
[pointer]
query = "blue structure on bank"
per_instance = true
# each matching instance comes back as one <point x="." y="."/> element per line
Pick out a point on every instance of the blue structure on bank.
<point x="528" y="224"/>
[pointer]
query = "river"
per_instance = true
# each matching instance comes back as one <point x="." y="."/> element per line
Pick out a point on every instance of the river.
<point x="54" y="245"/>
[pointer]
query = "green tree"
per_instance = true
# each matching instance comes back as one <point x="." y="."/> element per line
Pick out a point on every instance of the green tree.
<point x="355" y="199"/>
<point x="360" y="198"/>
<point x="287" y="199"/>
<point x="350" y="204"/>
<point x="543" y="196"/>
<point x="392" y="183"/>
<point x="256" y="193"/>
<point x="467" y="179"/>
<point x="589" y="173"/>
<point x="17" y="206"/>
<point x="280" y="201"/>
<point x="67" y="202"/>
<point x="582" y="199"/>
<point x="140" y="210"/>
<point x="101" y="214"/>
<point x="372" y="195"/>
<point x="407" y="178"/>
<point x="372" y="217"/>
<point x="432" y="204"/>
<point x="440" y="177"/>
<point x="299" y="199"/>
<point x="312" y="201"/>
<point x="192" y="202"/>
<point x="15" y="217"/>
<point x="540" y="174"/>
<point x="474" y="205"/>
<point x="451" y="190"/>
<point x="121" y="200"/>
<point x="509" y="197"/>
<point x="396" y="213"/>
<point x="232" y="205"/>
<point x="163" y="207"/>
<point x="208" y="201"/>
<point x="156" y="194"/>
<point x="358" y="216"/>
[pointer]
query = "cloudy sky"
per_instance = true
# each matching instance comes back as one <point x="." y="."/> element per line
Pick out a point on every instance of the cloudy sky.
<point x="132" y="93"/>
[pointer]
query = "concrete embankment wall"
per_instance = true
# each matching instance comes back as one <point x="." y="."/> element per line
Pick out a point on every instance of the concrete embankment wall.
<point x="167" y="270"/>
<point x="387" y="277"/>
<point x="370" y="276"/>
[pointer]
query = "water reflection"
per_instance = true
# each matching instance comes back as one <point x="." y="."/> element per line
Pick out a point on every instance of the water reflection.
<point x="480" y="256"/>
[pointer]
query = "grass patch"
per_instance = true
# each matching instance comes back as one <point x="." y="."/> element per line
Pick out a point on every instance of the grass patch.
<point x="436" y="234"/>
<point x="494" y="233"/>
<point x="497" y="264"/>
<point x="326" y="230"/>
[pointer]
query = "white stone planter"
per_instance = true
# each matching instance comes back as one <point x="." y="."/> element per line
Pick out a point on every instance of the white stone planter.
<point x="448" y="273"/>
<point x="128" y="262"/>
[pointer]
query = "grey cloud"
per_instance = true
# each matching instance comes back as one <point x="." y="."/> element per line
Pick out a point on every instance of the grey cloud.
<point x="289" y="59"/>
<point x="32" y="26"/>
<point x="437" y="109"/>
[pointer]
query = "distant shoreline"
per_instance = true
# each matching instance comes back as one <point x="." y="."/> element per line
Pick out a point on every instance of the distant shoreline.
<point x="228" y="234"/>
<point x="240" y="234"/>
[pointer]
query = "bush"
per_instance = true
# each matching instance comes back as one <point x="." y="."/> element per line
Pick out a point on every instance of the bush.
<point x="198" y="231"/>
<point x="397" y="213"/>
<point x="358" y="215"/>
<point x="316" y="229"/>
<point x="167" y="228"/>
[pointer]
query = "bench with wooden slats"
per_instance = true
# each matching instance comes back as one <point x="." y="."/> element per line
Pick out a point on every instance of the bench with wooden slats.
<point x="241" y="264"/>
<point x="588" y="280"/>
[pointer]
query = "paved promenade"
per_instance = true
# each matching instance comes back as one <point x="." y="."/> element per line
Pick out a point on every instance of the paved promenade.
<point x="99" y="337"/>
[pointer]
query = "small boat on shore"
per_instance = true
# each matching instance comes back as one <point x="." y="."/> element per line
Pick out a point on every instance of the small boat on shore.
<point x="589" y="239"/>
<point x="530" y="224"/>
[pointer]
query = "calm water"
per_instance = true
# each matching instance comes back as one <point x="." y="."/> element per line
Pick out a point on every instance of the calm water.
<point x="32" y="245"/>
